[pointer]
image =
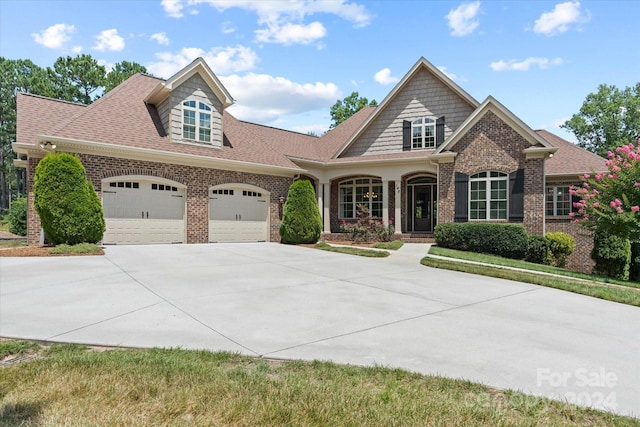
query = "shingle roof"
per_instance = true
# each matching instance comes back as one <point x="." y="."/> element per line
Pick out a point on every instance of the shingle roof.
<point x="570" y="159"/>
<point x="332" y="141"/>
<point x="38" y="114"/>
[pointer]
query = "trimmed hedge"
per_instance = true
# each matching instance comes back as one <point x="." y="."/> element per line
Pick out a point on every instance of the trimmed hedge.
<point x="561" y="246"/>
<point x="612" y="255"/>
<point x="538" y="250"/>
<point x="69" y="208"/>
<point x="301" y="220"/>
<point x="505" y="240"/>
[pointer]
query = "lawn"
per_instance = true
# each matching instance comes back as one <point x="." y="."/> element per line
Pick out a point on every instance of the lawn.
<point x="352" y="250"/>
<point x="624" y="292"/>
<point x="70" y="385"/>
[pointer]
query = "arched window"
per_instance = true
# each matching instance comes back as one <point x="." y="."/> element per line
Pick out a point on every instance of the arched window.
<point x="488" y="196"/>
<point x="196" y="121"/>
<point x="366" y="191"/>
<point x="423" y="133"/>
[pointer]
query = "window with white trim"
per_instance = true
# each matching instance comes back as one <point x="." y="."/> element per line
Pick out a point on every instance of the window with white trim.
<point x="366" y="191"/>
<point x="488" y="196"/>
<point x="196" y="121"/>
<point x="423" y="133"/>
<point x="558" y="200"/>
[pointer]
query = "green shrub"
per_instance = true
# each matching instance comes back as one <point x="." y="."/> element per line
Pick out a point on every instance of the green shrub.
<point x="366" y="228"/>
<point x="538" y="250"/>
<point x="17" y="216"/>
<point x="634" y="267"/>
<point x="561" y="246"/>
<point x="505" y="240"/>
<point x="301" y="220"/>
<point x="69" y="208"/>
<point x="612" y="255"/>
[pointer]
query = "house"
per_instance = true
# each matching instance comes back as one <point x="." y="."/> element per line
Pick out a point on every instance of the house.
<point x="172" y="165"/>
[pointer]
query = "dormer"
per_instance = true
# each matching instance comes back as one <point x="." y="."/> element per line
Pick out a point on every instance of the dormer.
<point x="190" y="105"/>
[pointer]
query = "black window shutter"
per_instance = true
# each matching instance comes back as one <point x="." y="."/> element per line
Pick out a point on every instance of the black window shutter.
<point x="462" y="197"/>
<point x="439" y="131"/>
<point x="516" y="196"/>
<point x="406" y="135"/>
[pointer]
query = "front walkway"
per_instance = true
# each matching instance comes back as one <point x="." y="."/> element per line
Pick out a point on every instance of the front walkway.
<point x="291" y="302"/>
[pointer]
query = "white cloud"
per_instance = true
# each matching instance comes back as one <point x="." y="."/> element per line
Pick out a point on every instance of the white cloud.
<point x="384" y="77"/>
<point x="55" y="36"/>
<point x="514" y="65"/>
<point x="228" y="28"/>
<point x="317" y="129"/>
<point x="289" y="33"/>
<point x="264" y="98"/>
<point x="109" y="40"/>
<point x="222" y="60"/>
<point x="161" y="38"/>
<point x="173" y="8"/>
<point x="560" y="19"/>
<point x="447" y="73"/>
<point x="463" y="20"/>
<point x="76" y="49"/>
<point x="282" y="20"/>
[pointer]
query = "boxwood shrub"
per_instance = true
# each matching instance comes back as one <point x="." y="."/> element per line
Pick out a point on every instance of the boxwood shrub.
<point x="561" y="246"/>
<point x="538" y="250"/>
<point x="505" y="240"/>
<point x="301" y="220"/>
<point x="612" y="255"/>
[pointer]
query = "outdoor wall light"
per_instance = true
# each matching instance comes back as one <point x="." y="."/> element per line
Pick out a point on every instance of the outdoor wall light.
<point x="48" y="145"/>
<point x="281" y="199"/>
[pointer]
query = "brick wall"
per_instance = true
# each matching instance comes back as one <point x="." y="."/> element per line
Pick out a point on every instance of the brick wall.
<point x="198" y="181"/>
<point x="580" y="260"/>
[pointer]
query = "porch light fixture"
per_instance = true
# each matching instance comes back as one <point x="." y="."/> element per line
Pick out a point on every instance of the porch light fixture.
<point x="281" y="200"/>
<point x="48" y="145"/>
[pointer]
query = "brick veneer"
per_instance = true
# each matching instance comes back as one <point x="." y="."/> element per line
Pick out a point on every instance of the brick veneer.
<point x="198" y="181"/>
<point x="493" y="145"/>
<point x="580" y="260"/>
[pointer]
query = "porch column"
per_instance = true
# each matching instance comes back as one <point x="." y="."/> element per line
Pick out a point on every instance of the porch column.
<point x="398" y="204"/>
<point x="385" y="202"/>
<point x="326" y="207"/>
<point x="319" y="197"/>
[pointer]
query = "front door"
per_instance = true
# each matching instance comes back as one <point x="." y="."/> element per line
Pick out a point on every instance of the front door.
<point x="423" y="207"/>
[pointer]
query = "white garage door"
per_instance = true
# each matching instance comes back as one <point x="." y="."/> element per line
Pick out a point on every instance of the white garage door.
<point x="139" y="211"/>
<point x="238" y="215"/>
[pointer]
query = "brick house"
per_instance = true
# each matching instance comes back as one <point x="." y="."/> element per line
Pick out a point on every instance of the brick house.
<point x="172" y="165"/>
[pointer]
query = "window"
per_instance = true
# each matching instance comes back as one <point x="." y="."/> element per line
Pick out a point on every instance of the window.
<point x="124" y="184"/>
<point x="423" y="133"/>
<point x="196" y="121"/>
<point x="488" y="196"/>
<point x="558" y="201"/>
<point x="366" y="191"/>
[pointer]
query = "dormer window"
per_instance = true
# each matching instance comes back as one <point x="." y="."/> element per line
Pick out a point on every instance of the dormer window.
<point x="196" y="121"/>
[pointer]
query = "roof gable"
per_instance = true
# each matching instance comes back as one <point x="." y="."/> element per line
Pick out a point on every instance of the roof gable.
<point x="492" y="105"/>
<point x="198" y="66"/>
<point x="422" y="64"/>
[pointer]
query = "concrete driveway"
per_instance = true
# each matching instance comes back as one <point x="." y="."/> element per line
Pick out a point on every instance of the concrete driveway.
<point x="292" y="302"/>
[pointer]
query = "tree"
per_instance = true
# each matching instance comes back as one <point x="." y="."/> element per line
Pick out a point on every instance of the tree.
<point x="607" y="119"/>
<point x="342" y="110"/>
<point x="69" y="208"/>
<point x="121" y="72"/>
<point x="301" y="220"/>
<point x="77" y="79"/>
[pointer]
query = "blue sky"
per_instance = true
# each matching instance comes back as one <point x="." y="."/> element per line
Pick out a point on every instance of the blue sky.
<point x="287" y="62"/>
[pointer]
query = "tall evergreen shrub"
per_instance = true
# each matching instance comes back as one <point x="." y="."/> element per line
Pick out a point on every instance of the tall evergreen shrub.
<point x="301" y="220"/>
<point x="612" y="255"/>
<point x="69" y="208"/>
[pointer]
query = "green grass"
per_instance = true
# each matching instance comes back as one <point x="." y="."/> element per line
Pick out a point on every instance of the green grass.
<point x="629" y="296"/>
<point x="352" y="251"/>
<point x="496" y="260"/>
<point x="12" y="243"/>
<point x="69" y="385"/>
<point x="393" y="245"/>
<point x="80" y="248"/>
<point x="16" y="348"/>
<point x="4" y="226"/>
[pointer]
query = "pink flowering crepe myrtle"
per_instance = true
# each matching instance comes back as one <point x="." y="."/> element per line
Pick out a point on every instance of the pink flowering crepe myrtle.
<point x="610" y="200"/>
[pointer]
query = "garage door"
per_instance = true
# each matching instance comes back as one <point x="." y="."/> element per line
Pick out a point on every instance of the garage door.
<point x="238" y="215"/>
<point x="141" y="211"/>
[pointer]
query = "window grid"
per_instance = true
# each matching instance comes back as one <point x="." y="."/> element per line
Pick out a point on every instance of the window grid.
<point x="423" y="133"/>
<point x="558" y="201"/>
<point x="365" y="191"/>
<point x="488" y="198"/>
<point x="196" y="122"/>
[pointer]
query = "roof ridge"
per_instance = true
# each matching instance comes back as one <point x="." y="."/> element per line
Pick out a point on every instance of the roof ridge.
<point x="276" y="128"/>
<point x="48" y="98"/>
